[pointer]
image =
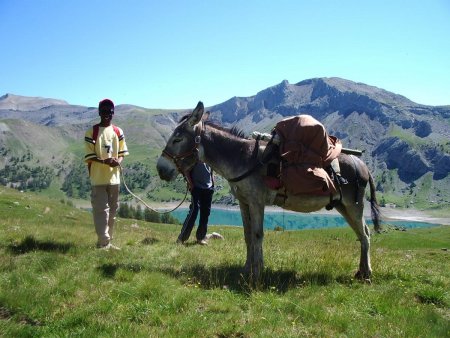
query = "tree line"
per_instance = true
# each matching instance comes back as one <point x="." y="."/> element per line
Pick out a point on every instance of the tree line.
<point x="129" y="211"/>
<point x="76" y="183"/>
<point x="24" y="177"/>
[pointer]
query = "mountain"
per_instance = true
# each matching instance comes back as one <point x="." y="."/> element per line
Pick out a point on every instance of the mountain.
<point x="396" y="132"/>
<point x="19" y="103"/>
<point x="144" y="126"/>
<point x="405" y="144"/>
<point x="323" y="97"/>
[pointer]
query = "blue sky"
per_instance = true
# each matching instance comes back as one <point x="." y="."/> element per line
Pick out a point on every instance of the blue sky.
<point x="173" y="53"/>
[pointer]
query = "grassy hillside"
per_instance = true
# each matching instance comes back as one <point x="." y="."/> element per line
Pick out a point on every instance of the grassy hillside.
<point x="58" y="147"/>
<point x="26" y="147"/>
<point x="54" y="283"/>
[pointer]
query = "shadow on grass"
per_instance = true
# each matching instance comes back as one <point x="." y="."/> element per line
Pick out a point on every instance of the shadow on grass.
<point x="109" y="270"/>
<point x="149" y="241"/>
<point x="9" y="314"/>
<point x="32" y="244"/>
<point x="233" y="277"/>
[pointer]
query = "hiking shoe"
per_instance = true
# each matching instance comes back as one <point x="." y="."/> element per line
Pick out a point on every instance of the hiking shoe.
<point x="214" y="235"/>
<point x="341" y="180"/>
<point x="108" y="247"/>
<point x="202" y="242"/>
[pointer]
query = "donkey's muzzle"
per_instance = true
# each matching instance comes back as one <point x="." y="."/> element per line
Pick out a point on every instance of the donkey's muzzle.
<point x="166" y="170"/>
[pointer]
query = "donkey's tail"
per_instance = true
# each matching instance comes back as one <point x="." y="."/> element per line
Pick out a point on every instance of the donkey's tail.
<point x="374" y="206"/>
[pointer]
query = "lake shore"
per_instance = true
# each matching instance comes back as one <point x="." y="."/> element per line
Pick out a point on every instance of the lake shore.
<point x="412" y="215"/>
<point x="388" y="213"/>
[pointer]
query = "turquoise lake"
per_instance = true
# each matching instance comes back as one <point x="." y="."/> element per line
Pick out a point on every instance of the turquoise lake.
<point x="289" y="220"/>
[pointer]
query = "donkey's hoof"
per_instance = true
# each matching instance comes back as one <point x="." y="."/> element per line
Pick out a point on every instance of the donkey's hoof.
<point x="363" y="277"/>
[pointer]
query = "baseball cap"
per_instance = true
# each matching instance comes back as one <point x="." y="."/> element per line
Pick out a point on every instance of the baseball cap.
<point x="106" y="105"/>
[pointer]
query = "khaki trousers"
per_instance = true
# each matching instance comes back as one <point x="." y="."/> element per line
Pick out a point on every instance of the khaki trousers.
<point x="104" y="201"/>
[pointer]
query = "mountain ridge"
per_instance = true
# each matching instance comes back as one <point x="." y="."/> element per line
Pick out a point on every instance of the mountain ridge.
<point x="406" y="144"/>
<point x="17" y="102"/>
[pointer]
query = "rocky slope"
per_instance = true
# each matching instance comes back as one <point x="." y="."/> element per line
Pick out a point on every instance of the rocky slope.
<point x="394" y="131"/>
<point x="405" y="144"/>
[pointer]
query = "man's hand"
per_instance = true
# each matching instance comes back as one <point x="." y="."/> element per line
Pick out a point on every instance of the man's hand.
<point x="112" y="162"/>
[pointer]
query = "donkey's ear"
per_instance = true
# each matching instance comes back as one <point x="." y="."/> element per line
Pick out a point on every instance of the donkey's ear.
<point x="196" y="114"/>
<point x="206" y="115"/>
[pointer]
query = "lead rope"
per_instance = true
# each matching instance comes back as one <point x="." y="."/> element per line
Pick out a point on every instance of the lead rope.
<point x="143" y="202"/>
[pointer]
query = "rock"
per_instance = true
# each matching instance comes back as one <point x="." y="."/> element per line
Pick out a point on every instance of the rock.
<point x="422" y="128"/>
<point x="400" y="155"/>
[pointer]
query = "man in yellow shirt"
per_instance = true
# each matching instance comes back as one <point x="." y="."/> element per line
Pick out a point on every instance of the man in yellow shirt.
<point x="105" y="149"/>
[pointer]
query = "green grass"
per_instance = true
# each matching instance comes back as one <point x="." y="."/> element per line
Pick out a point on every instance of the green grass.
<point x="54" y="283"/>
<point x="142" y="153"/>
<point x="407" y="136"/>
<point x="423" y="194"/>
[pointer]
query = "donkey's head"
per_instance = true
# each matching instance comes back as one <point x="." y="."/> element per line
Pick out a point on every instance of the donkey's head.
<point x="181" y="151"/>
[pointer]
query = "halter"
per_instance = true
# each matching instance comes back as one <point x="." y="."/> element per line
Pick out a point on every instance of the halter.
<point x="193" y="152"/>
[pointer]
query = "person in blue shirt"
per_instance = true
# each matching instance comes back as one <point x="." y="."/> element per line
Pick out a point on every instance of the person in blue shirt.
<point x="201" y="197"/>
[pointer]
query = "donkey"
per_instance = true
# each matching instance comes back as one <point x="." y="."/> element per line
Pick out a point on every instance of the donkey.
<point x="239" y="160"/>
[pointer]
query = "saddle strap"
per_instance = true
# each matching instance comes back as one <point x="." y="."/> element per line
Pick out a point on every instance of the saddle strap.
<point x="333" y="202"/>
<point x="253" y="169"/>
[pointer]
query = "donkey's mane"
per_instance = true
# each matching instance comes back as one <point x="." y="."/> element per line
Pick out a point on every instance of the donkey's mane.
<point x="235" y="131"/>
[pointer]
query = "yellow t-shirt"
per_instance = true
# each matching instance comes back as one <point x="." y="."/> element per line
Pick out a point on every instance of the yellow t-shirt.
<point x="107" y="145"/>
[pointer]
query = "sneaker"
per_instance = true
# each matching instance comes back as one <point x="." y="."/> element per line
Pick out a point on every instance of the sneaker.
<point x="341" y="180"/>
<point x="179" y="241"/>
<point x="214" y="235"/>
<point x="202" y="242"/>
<point x="108" y="247"/>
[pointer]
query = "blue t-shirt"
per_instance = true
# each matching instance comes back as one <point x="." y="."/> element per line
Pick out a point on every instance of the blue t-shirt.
<point x="201" y="175"/>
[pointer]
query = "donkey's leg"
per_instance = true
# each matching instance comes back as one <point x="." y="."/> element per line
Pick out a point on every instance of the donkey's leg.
<point x="257" y="235"/>
<point x="245" y="214"/>
<point x="252" y="217"/>
<point x="354" y="216"/>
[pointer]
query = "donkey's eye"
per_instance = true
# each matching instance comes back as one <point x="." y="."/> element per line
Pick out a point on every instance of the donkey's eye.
<point x="177" y="140"/>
